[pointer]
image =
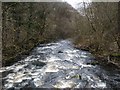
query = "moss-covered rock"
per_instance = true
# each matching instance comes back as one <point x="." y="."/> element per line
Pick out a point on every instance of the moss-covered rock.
<point x="76" y="76"/>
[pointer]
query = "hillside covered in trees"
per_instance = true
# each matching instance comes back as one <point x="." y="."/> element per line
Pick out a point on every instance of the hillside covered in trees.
<point x="93" y="27"/>
<point x="99" y="30"/>
<point x="26" y="24"/>
<point x="55" y="45"/>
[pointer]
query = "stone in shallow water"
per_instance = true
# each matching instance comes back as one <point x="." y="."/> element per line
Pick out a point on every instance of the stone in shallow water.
<point x="38" y="63"/>
<point x="60" y="52"/>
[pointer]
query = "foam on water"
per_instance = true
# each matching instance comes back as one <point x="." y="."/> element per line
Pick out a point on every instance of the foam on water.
<point x="63" y="66"/>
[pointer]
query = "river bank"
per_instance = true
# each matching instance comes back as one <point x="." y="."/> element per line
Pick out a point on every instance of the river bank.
<point x="106" y="60"/>
<point x="21" y="54"/>
<point x="101" y="59"/>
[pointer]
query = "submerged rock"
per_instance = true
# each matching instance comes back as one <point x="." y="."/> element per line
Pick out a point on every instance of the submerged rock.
<point x="60" y="52"/>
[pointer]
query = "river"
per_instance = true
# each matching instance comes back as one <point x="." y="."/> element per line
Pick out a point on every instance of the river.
<point x="58" y="65"/>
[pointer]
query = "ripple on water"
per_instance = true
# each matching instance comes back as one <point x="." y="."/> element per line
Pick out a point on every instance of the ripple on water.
<point x="54" y="65"/>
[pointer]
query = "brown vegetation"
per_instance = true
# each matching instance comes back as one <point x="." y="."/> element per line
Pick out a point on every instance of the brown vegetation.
<point x="26" y="24"/>
<point x="99" y="31"/>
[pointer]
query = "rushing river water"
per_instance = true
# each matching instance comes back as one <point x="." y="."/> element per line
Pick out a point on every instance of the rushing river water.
<point x="57" y="65"/>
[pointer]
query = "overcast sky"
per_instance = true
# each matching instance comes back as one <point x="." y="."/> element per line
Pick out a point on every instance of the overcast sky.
<point x="75" y="2"/>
